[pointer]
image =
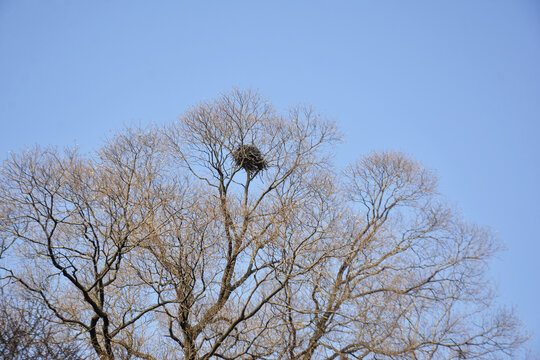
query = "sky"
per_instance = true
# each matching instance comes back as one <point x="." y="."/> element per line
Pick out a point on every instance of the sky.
<point x="454" y="84"/>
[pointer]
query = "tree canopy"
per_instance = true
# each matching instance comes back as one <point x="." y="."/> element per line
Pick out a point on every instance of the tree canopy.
<point x="164" y="245"/>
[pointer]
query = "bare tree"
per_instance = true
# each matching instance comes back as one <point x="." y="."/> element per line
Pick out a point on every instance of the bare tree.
<point x="406" y="279"/>
<point x="73" y="222"/>
<point x="230" y="234"/>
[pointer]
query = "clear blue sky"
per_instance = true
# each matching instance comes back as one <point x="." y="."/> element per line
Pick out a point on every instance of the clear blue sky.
<point x="456" y="84"/>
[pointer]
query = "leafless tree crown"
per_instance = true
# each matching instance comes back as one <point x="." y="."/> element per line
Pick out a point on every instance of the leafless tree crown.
<point x="172" y="243"/>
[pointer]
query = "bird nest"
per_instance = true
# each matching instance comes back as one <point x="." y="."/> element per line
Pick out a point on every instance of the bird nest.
<point x="250" y="158"/>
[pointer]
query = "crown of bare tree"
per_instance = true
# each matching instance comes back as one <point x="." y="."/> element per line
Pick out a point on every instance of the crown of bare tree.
<point x="171" y="243"/>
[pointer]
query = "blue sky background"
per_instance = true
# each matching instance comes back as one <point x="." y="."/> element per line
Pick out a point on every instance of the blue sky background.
<point x="455" y="84"/>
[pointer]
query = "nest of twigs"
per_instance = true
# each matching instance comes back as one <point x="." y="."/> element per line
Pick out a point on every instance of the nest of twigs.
<point x="250" y="158"/>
